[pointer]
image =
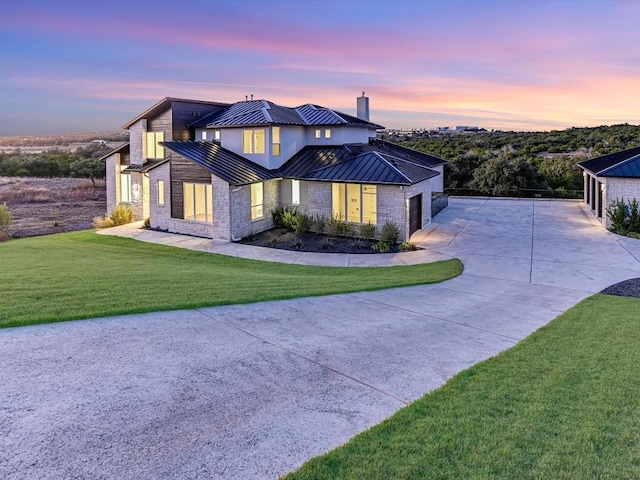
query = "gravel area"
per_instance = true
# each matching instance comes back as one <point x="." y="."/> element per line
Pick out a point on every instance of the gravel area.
<point x="628" y="288"/>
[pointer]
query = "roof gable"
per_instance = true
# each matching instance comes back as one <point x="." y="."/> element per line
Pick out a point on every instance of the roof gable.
<point x="164" y="105"/>
<point x="627" y="163"/>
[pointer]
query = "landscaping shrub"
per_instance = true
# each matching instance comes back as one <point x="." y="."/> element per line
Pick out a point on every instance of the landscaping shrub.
<point x="349" y="230"/>
<point x="319" y="222"/>
<point x="381" y="247"/>
<point x="389" y="233"/>
<point x="407" y="247"/>
<point x="327" y="244"/>
<point x="296" y="243"/>
<point x="6" y="219"/>
<point x="276" y="215"/>
<point x="289" y="219"/>
<point x="4" y="236"/>
<point x="634" y="235"/>
<point x="121" y="214"/>
<point x="617" y="213"/>
<point x="303" y="223"/>
<point x="102" y="222"/>
<point x="335" y="226"/>
<point x="367" y="231"/>
<point x="147" y="222"/>
<point x="358" y="245"/>
<point x="634" y="216"/>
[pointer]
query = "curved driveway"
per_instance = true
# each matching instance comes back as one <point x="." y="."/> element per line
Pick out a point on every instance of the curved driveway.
<point x="252" y="391"/>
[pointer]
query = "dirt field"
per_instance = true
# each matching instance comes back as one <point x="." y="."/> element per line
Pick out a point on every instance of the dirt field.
<point x="42" y="206"/>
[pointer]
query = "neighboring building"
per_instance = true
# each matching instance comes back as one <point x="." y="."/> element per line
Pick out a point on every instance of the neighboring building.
<point x="610" y="178"/>
<point x="217" y="170"/>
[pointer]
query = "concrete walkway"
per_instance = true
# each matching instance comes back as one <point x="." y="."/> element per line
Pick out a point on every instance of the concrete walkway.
<point x="252" y="391"/>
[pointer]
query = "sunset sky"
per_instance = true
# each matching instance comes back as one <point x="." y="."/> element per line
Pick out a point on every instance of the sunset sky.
<point x="80" y="65"/>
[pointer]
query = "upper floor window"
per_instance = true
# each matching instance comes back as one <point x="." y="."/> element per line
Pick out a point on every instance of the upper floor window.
<point x="154" y="149"/>
<point x="253" y="141"/>
<point x="204" y="135"/>
<point x="275" y="136"/>
<point x="318" y="133"/>
<point x="327" y="133"/>
<point x="216" y="135"/>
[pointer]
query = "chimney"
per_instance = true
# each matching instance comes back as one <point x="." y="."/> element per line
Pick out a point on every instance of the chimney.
<point x="363" y="108"/>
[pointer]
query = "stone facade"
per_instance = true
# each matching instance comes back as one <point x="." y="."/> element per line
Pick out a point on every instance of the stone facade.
<point x="241" y="222"/>
<point x="221" y="208"/>
<point x="615" y="188"/>
<point x="137" y="142"/>
<point x="113" y="181"/>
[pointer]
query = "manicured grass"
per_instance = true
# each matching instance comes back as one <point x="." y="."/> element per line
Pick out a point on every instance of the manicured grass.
<point x="562" y="404"/>
<point x="82" y="275"/>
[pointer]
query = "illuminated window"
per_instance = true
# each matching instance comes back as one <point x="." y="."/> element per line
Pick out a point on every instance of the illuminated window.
<point x="125" y="188"/>
<point x="160" y="192"/>
<point x="257" y="200"/>
<point x="216" y="135"/>
<point x="204" y="135"/>
<point x="275" y="135"/>
<point x="154" y="149"/>
<point x="354" y="202"/>
<point x="198" y="202"/>
<point x="327" y="133"/>
<point x="253" y="141"/>
<point x="318" y="133"/>
<point x="295" y="192"/>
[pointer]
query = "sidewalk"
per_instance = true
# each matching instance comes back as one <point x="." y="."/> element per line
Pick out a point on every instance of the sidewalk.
<point x="135" y="231"/>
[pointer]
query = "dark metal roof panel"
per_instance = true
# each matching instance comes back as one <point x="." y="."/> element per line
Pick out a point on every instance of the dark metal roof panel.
<point x="413" y="171"/>
<point x="367" y="168"/>
<point x="629" y="168"/>
<point x="315" y="115"/>
<point x="600" y="164"/>
<point x="405" y="153"/>
<point x="150" y="165"/>
<point x="312" y="158"/>
<point x="122" y="148"/>
<point x="223" y="163"/>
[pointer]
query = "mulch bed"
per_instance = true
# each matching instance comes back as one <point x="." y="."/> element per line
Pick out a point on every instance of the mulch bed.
<point x="628" y="288"/>
<point x="285" y="239"/>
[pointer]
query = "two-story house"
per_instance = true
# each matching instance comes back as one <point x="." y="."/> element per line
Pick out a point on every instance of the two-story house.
<point x="217" y="170"/>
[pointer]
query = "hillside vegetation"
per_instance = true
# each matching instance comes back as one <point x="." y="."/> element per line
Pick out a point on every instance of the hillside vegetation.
<point x="501" y="163"/>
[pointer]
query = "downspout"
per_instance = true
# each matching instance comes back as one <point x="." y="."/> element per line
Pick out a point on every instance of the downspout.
<point x="233" y="239"/>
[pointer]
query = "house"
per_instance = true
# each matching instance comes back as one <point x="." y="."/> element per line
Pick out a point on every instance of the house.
<point x="217" y="170"/>
<point x="609" y="178"/>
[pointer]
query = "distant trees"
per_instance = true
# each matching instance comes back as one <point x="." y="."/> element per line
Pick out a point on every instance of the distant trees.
<point x="84" y="162"/>
<point x="494" y="162"/>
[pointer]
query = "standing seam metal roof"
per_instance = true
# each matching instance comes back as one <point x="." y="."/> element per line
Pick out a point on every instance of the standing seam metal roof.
<point x="223" y="163"/>
<point x="625" y="163"/>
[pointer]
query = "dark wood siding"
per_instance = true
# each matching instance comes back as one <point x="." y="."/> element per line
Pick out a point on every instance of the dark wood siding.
<point x="185" y="113"/>
<point x="161" y="123"/>
<point x="182" y="170"/>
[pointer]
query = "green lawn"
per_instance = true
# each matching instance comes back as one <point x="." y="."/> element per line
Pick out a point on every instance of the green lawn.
<point x="82" y="275"/>
<point x="562" y="404"/>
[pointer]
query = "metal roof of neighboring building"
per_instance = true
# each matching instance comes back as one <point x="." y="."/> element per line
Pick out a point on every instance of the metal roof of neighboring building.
<point x="223" y="163"/>
<point x="625" y="163"/>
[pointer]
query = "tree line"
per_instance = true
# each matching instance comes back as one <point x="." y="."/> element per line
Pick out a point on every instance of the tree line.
<point x="500" y="163"/>
<point x="83" y="162"/>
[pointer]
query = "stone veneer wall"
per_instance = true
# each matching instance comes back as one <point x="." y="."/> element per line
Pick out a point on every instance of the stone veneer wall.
<point x="392" y="208"/>
<point x="221" y="208"/>
<point x="618" y="189"/>
<point x="424" y="188"/>
<point x="161" y="214"/>
<point x="113" y="181"/>
<point x="242" y="225"/>
<point x="137" y="142"/>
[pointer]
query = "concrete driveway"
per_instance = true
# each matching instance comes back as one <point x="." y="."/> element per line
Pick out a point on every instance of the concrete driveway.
<point x="253" y="391"/>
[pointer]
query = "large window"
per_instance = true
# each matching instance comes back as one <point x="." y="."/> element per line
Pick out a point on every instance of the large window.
<point x="257" y="200"/>
<point x="253" y="141"/>
<point x="160" y="192"/>
<point x="275" y="136"/>
<point x="354" y="202"/>
<point x="154" y="149"/>
<point x="198" y="202"/>
<point x="125" y="188"/>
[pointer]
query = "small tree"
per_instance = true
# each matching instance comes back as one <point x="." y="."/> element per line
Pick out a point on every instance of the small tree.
<point x="617" y="213"/>
<point x="6" y="219"/>
<point x="91" y="168"/>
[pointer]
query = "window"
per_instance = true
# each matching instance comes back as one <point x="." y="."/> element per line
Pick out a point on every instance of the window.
<point x="216" y="135"/>
<point x="160" y="192"/>
<point x="295" y="192"/>
<point x="253" y="141"/>
<point x="154" y="149"/>
<point x="327" y="133"/>
<point x="257" y="200"/>
<point x="198" y="202"/>
<point x="125" y="188"/>
<point x="204" y="135"/>
<point x="318" y="133"/>
<point x="354" y="202"/>
<point x="275" y="136"/>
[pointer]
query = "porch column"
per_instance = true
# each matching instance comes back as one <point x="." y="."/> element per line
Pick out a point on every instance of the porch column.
<point x="585" y="183"/>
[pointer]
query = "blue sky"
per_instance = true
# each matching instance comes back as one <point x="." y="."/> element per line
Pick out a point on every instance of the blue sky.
<point x="93" y="65"/>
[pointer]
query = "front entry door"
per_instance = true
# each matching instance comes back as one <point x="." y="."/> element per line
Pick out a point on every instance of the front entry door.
<point x="415" y="213"/>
